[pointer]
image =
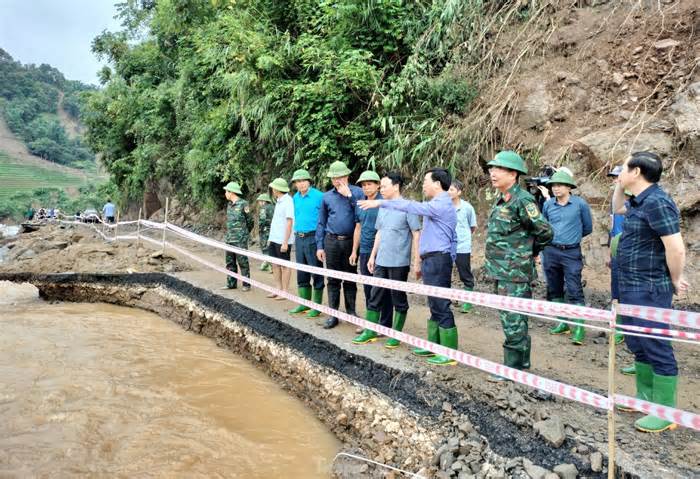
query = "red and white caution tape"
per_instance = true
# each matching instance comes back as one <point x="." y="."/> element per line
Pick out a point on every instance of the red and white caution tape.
<point x="687" y="319"/>
<point x="684" y="418"/>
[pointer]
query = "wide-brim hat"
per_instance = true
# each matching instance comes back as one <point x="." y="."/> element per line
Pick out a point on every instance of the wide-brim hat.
<point x="338" y="169"/>
<point x="301" y="174"/>
<point x="264" y="197"/>
<point x="561" y="178"/>
<point x="233" y="187"/>
<point x="510" y="160"/>
<point x="280" y="184"/>
<point x="369" y="175"/>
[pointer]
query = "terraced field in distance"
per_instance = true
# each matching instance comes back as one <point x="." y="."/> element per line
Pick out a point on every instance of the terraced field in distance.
<point x="17" y="176"/>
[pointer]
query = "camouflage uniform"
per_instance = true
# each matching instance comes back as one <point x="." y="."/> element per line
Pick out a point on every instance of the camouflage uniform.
<point x="264" y="222"/>
<point x="517" y="232"/>
<point x="239" y="222"/>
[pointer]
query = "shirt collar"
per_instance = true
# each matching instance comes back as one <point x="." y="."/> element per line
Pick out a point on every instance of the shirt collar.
<point x="509" y="193"/>
<point x="637" y="200"/>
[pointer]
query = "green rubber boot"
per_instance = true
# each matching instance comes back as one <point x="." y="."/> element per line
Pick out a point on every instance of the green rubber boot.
<point x="512" y="357"/>
<point x="265" y="266"/>
<point x="304" y="292"/>
<point x="367" y="335"/>
<point x="433" y="337"/>
<point x="449" y="339"/>
<point x="467" y="307"/>
<point x="561" y="328"/>
<point x="619" y="338"/>
<point x="629" y="370"/>
<point x="526" y="354"/>
<point x="318" y="299"/>
<point x="664" y="393"/>
<point x="579" y="333"/>
<point x="399" y="321"/>
<point x="644" y="379"/>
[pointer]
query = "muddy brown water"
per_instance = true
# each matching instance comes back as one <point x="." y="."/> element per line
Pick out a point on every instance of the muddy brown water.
<point x="101" y="390"/>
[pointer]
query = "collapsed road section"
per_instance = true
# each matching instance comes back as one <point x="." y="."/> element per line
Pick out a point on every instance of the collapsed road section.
<point x="381" y="413"/>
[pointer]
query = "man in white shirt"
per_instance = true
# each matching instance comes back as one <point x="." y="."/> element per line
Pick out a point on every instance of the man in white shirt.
<point x="281" y="238"/>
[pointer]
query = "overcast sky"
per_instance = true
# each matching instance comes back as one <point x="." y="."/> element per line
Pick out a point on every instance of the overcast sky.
<point x="57" y="32"/>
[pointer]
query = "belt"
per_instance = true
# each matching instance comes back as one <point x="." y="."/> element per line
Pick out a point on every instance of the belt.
<point x="565" y="246"/>
<point x="338" y="237"/>
<point x="305" y="234"/>
<point x="432" y="253"/>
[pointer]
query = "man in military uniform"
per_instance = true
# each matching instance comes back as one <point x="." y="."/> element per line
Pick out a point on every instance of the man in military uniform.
<point x="517" y="232"/>
<point x="265" y="212"/>
<point x="239" y="222"/>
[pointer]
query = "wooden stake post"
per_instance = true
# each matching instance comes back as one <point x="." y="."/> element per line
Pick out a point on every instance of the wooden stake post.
<point x="116" y="226"/>
<point x="611" y="393"/>
<point x="138" y="232"/>
<point x="165" y="222"/>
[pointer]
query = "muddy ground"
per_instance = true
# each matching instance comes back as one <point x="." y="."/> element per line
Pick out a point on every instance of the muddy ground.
<point x="673" y="454"/>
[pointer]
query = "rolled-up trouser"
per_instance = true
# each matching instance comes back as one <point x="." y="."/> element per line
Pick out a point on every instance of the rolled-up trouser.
<point x="385" y="307"/>
<point x="437" y="271"/>
<point x="305" y="253"/>
<point x="234" y="262"/>
<point x="656" y="351"/>
<point x="562" y="269"/>
<point x="381" y="296"/>
<point x="514" y="324"/>
<point x="338" y="258"/>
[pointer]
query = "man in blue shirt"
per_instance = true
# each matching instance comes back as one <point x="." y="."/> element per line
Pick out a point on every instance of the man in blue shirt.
<point x="396" y="240"/>
<point x="108" y="211"/>
<point x="651" y="259"/>
<point x="466" y="226"/>
<point x="570" y="217"/>
<point x="365" y="233"/>
<point x="438" y="250"/>
<point x="307" y="204"/>
<point x="334" y="236"/>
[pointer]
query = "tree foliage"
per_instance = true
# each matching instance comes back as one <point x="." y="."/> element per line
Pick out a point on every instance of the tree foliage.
<point x="201" y="92"/>
<point x="28" y="101"/>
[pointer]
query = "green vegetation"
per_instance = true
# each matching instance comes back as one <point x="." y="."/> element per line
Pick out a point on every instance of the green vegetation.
<point x="28" y="101"/>
<point x="22" y="177"/>
<point x="201" y="92"/>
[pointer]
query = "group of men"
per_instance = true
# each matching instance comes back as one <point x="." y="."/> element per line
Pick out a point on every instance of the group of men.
<point x="374" y="227"/>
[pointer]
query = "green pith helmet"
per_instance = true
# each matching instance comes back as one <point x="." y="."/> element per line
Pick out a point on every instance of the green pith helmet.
<point x="280" y="184"/>
<point x="509" y="159"/>
<point x="369" y="175"/>
<point x="264" y="197"/>
<point x="338" y="169"/>
<point x="561" y="178"/>
<point x="233" y="187"/>
<point x="301" y="174"/>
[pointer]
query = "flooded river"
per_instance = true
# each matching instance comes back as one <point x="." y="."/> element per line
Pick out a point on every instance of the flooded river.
<point x="105" y="391"/>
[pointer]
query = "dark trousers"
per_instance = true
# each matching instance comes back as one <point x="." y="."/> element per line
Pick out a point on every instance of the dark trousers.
<point x="614" y="279"/>
<point x="562" y="269"/>
<point x="380" y="297"/>
<point x="338" y="258"/>
<point x="437" y="271"/>
<point x="305" y="252"/>
<point x="234" y="262"/>
<point x="464" y="268"/>
<point x="656" y="352"/>
<point x="110" y="219"/>
<point x="385" y="306"/>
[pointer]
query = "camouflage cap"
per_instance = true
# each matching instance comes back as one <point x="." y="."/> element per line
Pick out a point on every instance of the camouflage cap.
<point x="510" y="160"/>
<point x="233" y="187"/>
<point x="369" y="175"/>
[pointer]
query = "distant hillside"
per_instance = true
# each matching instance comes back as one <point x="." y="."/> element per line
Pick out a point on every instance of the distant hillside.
<point x="42" y="109"/>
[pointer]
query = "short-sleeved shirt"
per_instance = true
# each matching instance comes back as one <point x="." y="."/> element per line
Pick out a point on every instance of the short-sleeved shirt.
<point x="306" y="209"/>
<point x="367" y="220"/>
<point x="570" y="222"/>
<point x="641" y="254"/>
<point x="108" y="209"/>
<point x="338" y="214"/>
<point x="395" y="238"/>
<point x="284" y="209"/>
<point x="466" y="220"/>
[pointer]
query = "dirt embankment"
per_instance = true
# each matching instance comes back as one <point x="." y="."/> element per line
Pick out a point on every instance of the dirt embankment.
<point x="466" y="395"/>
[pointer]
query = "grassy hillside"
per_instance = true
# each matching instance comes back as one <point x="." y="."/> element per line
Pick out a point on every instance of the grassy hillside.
<point x="17" y="177"/>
